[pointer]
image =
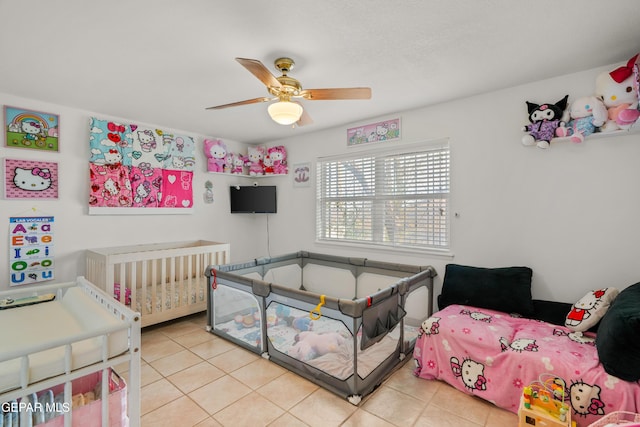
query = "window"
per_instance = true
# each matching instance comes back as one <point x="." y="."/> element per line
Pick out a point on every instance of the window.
<point x="398" y="199"/>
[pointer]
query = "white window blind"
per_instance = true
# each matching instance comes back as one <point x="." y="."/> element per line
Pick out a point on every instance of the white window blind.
<point x="391" y="199"/>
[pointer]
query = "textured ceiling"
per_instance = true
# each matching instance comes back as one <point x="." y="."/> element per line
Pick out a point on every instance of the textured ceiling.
<point x="163" y="62"/>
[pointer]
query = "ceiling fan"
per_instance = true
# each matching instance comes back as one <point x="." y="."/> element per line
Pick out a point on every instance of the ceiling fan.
<point x="285" y="89"/>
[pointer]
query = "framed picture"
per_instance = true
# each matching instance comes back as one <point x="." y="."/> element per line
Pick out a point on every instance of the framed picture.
<point x="387" y="130"/>
<point x="301" y="174"/>
<point x="31" y="129"/>
<point x="30" y="179"/>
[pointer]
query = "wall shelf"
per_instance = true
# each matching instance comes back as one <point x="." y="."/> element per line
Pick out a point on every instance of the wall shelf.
<point x="249" y="176"/>
<point x="635" y="128"/>
<point x="139" y="211"/>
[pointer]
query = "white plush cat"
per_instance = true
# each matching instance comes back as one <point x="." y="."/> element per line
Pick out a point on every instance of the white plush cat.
<point x="35" y="179"/>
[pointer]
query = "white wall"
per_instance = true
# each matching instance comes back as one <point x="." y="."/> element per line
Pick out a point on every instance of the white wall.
<point x="76" y="231"/>
<point x="568" y="212"/>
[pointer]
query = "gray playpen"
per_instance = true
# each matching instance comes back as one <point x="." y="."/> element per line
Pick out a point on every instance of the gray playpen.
<point x="343" y="323"/>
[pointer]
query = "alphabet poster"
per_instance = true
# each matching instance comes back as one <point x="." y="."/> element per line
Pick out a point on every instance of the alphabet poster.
<point x="30" y="250"/>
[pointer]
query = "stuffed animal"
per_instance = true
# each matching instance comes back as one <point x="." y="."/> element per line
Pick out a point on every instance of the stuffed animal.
<point x="216" y="151"/>
<point x="617" y="89"/>
<point x="300" y="324"/>
<point x="278" y="156"/>
<point x="544" y="118"/>
<point x="229" y="159"/>
<point x="247" y="320"/>
<point x="268" y="164"/>
<point x="255" y="160"/>
<point x="587" y="115"/>
<point x="238" y="163"/>
<point x="310" y="345"/>
<point x="590" y="309"/>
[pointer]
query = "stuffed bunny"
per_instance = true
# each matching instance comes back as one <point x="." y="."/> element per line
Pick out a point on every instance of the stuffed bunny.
<point x="587" y="115"/>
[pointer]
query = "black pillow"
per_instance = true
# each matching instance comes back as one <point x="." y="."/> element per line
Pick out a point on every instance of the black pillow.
<point x="618" y="339"/>
<point x="506" y="289"/>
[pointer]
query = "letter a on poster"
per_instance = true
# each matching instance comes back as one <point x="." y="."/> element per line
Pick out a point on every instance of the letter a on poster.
<point x="30" y="250"/>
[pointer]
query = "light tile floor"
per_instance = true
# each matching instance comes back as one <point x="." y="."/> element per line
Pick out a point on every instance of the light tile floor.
<point x="191" y="377"/>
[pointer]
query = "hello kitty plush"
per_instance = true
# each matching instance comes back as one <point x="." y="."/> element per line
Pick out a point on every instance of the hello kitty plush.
<point x="228" y="162"/>
<point x="238" y="163"/>
<point x="617" y="89"/>
<point x="267" y="162"/>
<point x="278" y="155"/>
<point x="255" y="160"/>
<point x="544" y="118"/>
<point x="587" y="115"/>
<point x="216" y="151"/>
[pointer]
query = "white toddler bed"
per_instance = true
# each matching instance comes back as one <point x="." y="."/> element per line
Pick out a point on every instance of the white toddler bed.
<point x="162" y="281"/>
<point x="82" y="331"/>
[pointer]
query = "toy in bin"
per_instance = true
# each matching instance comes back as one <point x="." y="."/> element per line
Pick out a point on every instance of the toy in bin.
<point x="542" y="404"/>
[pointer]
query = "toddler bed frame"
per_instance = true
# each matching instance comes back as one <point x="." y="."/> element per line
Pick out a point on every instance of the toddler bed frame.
<point x="88" y="334"/>
<point x="343" y="323"/>
<point x="163" y="281"/>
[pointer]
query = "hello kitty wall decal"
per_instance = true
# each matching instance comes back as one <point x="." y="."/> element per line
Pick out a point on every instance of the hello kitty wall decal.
<point x="387" y="130"/>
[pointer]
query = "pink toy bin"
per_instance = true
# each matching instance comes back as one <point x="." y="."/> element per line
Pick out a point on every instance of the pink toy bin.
<point x="618" y="418"/>
<point x="89" y="415"/>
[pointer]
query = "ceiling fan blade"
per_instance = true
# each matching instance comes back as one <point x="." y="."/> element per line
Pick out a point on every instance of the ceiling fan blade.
<point x="258" y="69"/>
<point x="337" y="93"/>
<point x="305" y="119"/>
<point x="235" y="104"/>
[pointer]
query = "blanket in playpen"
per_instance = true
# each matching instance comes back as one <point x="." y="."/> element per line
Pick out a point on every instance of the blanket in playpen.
<point x="324" y="343"/>
<point x="493" y="355"/>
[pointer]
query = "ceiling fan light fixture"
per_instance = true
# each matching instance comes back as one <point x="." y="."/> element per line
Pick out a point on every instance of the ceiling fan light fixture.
<point x="285" y="112"/>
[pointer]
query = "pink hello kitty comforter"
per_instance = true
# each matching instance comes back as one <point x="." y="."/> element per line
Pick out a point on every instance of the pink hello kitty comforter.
<point x="493" y="355"/>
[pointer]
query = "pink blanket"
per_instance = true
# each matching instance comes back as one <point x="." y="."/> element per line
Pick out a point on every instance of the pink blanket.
<point x="493" y="355"/>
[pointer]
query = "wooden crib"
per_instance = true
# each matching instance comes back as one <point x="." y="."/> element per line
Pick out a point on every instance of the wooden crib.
<point x="162" y="281"/>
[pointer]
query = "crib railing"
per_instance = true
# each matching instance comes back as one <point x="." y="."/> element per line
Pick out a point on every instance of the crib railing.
<point x="163" y="281"/>
<point x="130" y="322"/>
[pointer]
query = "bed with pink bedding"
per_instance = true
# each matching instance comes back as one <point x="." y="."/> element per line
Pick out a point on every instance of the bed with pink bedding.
<point x="493" y="354"/>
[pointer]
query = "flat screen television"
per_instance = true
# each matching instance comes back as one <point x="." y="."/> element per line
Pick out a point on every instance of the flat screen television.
<point x="253" y="199"/>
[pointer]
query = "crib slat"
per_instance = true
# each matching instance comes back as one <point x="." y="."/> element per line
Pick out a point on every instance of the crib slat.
<point x="143" y="287"/>
<point x="162" y="284"/>
<point x="154" y="288"/>
<point x="122" y="279"/>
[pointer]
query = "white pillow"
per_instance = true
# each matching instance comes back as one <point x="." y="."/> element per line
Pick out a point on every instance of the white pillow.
<point x="590" y="308"/>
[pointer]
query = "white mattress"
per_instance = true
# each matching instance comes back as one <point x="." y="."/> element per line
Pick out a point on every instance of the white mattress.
<point x="74" y="314"/>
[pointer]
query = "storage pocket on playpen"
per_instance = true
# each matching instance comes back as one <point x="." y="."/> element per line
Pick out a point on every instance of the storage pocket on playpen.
<point x="379" y="319"/>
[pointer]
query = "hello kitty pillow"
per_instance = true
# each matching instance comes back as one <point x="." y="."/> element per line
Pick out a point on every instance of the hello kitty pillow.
<point x="589" y="309"/>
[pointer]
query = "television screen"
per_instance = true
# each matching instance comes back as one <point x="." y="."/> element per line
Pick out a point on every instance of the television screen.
<point x="252" y="199"/>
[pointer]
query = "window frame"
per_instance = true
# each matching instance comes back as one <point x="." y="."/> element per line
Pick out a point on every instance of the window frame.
<point x="377" y="241"/>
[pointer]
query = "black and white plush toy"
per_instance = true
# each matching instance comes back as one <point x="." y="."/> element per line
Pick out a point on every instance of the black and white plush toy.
<point x="544" y="118"/>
